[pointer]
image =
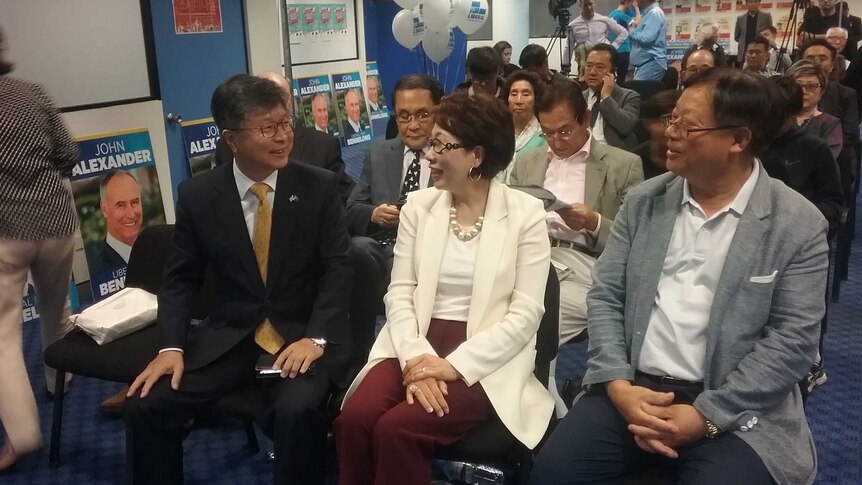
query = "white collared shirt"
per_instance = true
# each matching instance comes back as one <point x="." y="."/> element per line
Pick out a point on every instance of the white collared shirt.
<point x="595" y="30"/>
<point x="354" y="125"/>
<point x="598" y="128"/>
<point x="322" y="130"/>
<point x="248" y="200"/>
<point x="675" y="340"/>
<point x="424" y="171"/>
<point x="373" y="106"/>
<point x="566" y="178"/>
<point x="124" y="250"/>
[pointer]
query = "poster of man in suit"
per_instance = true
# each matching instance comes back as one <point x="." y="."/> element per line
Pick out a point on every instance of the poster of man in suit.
<point x="377" y="106"/>
<point x="116" y="192"/>
<point x="350" y="97"/>
<point x="315" y="107"/>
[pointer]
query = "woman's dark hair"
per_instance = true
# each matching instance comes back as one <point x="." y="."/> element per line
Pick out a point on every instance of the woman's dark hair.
<point x="531" y="77"/>
<point x="480" y="121"/>
<point x="242" y="94"/>
<point x="659" y="104"/>
<point x="741" y="99"/>
<point x="563" y="92"/>
<point x="501" y="46"/>
<point x="786" y="97"/>
<point x="419" y="81"/>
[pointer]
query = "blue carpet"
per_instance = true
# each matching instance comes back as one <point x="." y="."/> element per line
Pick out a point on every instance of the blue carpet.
<point x="93" y="445"/>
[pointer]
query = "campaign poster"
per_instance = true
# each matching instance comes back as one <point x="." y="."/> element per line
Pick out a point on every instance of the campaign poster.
<point x="667" y="7"/>
<point x="201" y="137"/>
<point x="724" y="30"/>
<point x="683" y="29"/>
<point x="294" y="23"/>
<point x="703" y="6"/>
<point x="29" y="300"/>
<point x="339" y="21"/>
<point x="377" y="107"/>
<point x="683" y="6"/>
<point x="116" y="192"/>
<point x="781" y="25"/>
<point x="316" y="104"/>
<point x="323" y="15"/>
<point x="197" y="16"/>
<point x="297" y="113"/>
<point x="676" y="50"/>
<point x="310" y="30"/>
<point x="350" y="99"/>
<point x="668" y="30"/>
<point x="723" y="5"/>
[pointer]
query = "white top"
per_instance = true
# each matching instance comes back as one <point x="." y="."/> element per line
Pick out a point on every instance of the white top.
<point x="455" y="283"/>
<point x="675" y="341"/>
<point x="322" y="130"/>
<point x="595" y="30"/>
<point x="248" y="200"/>
<point x="566" y="178"/>
<point x="424" y="171"/>
<point x="598" y="128"/>
<point x="124" y="250"/>
<point x="354" y="125"/>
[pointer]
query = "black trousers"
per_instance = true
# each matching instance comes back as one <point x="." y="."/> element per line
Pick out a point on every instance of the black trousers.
<point x="592" y="445"/>
<point x="156" y="425"/>
<point x="622" y="66"/>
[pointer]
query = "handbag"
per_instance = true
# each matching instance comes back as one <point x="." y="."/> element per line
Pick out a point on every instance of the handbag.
<point x="121" y="314"/>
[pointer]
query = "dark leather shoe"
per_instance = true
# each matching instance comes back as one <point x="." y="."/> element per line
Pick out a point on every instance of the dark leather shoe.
<point x="114" y="404"/>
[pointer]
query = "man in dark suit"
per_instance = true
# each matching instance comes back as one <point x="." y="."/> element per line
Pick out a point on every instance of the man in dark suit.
<point x="840" y="102"/>
<point x="120" y="204"/>
<point x="309" y="145"/>
<point x="273" y="233"/>
<point x="352" y="124"/>
<point x="613" y="110"/>
<point x="392" y="169"/>
<point x="747" y="27"/>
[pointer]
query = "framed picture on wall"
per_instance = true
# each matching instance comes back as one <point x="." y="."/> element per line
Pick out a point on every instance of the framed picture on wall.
<point x="322" y="31"/>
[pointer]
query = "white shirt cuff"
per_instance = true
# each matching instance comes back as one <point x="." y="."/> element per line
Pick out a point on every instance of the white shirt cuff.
<point x="595" y="233"/>
<point x="171" y="348"/>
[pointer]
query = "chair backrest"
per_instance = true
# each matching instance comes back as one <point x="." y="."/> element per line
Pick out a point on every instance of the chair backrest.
<point x="148" y="258"/>
<point x="548" y="335"/>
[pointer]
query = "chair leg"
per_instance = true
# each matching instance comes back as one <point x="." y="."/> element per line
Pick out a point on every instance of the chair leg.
<point x="57" y="423"/>
<point x="251" y="436"/>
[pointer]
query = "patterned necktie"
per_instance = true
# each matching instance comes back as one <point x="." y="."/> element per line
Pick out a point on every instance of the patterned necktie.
<point x="594" y="111"/>
<point x="265" y="335"/>
<point x="411" y="183"/>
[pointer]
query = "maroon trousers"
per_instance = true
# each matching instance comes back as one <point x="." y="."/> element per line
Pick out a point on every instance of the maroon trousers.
<point x="382" y="440"/>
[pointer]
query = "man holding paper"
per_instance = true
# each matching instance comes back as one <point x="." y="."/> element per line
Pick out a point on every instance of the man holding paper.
<point x="592" y="178"/>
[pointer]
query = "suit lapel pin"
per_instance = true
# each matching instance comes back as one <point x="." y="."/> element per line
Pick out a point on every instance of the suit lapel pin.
<point x="293" y="198"/>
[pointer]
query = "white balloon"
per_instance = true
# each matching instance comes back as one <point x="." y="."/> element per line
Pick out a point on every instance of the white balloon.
<point x="470" y="15"/>
<point x="407" y="29"/>
<point x="438" y="44"/>
<point x="436" y="13"/>
<point x="407" y="4"/>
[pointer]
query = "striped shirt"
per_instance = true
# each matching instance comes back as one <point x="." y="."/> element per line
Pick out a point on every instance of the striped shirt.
<point x="36" y="153"/>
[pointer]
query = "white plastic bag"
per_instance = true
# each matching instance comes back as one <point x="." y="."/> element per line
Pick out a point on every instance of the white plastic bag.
<point x="127" y="311"/>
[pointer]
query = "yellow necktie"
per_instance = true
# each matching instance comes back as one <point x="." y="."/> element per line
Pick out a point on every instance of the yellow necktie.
<point x="265" y="335"/>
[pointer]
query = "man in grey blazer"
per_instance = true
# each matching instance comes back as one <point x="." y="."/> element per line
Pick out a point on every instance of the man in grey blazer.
<point x="392" y="169"/>
<point x="747" y="27"/>
<point x="614" y="110"/>
<point x="704" y="314"/>
<point x="593" y="179"/>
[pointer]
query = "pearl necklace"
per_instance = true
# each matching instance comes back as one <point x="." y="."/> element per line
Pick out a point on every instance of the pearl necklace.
<point x="460" y="233"/>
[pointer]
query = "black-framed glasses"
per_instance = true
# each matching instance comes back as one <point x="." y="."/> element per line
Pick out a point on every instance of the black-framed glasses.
<point x="440" y="148"/>
<point x="270" y="128"/>
<point x="669" y="120"/>
<point x="404" y="117"/>
<point x="562" y="135"/>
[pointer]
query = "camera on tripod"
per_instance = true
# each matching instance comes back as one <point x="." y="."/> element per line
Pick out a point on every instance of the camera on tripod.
<point x="559" y="9"/>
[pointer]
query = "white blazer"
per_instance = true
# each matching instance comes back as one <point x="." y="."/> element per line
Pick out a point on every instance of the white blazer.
<point x="511" y="271"/>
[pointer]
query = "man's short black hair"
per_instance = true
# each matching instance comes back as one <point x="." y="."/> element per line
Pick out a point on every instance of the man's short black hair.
<point x="759" y="39"/>
<point x="769" y="28"/>
<point x="606" y="48"/>
<point x="563" y="92"/>
<point x="740" y="98"/>
<point x="484" y="61"/>
<point x="419" y="81"/>
<point x="242" y="94"/>
<point x="533" y="56"/>
<point x="821" y="43"/>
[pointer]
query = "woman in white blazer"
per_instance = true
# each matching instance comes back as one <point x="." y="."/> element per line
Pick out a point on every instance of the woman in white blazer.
<point x="462" y="311"/>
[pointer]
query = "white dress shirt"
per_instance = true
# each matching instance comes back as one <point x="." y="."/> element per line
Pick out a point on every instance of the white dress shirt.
<point x="595" y="30"/>
<point x="424" y="170"/>
<point x="124" y="250"/>
<point x="322" y="130"/>
<point x="455" y="283"/>
<point x="598" y="128"/>
<point x="354" y="125"/>
<point x="675" y="341"/>
<point x="566" y="178"/>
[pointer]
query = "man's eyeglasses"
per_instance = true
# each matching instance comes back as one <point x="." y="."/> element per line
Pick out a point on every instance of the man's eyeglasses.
<point x="404" y="117"/>
<point x="270" y="128"/>
<point x="562" y="135"/>
<point x="810" y="88"/>
<point x="440" y="148"/>
<point x="696" y="69"/>
<point x="669" y="120"/>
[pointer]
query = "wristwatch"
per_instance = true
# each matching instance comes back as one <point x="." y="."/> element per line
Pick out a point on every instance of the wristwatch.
<point x="711" y="430"/>
<point x="320" y="342"/>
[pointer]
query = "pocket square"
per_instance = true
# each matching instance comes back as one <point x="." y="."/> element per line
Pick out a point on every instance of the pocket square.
<point x="764" y="279"/>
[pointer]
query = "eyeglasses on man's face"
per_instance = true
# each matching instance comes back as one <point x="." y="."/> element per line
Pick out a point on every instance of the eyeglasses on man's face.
<point x="562" y="135"/>
<point x="440" y="147"/>
<point x="405" y="117"/>
<point x="670" y="120"/>
<point x="270" y="128"/>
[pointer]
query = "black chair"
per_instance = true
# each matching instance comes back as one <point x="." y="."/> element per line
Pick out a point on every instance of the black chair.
<point x="491" y="445"/>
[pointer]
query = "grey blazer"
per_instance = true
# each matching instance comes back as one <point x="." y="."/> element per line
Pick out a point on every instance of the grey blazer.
<point x="380" y="183"/>
<point x="620" y="113"/>
<point x="611" y="172"/>
<point x="763" y="18"/>
<point x="765" y="320"/>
